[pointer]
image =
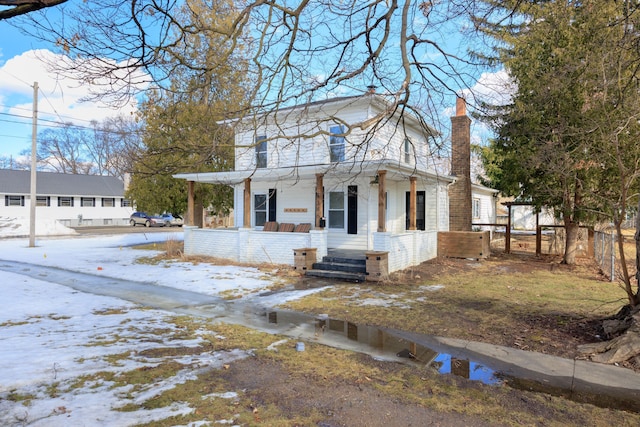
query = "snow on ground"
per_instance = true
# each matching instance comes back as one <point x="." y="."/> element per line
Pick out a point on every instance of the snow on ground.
<point x="51" y="335"/>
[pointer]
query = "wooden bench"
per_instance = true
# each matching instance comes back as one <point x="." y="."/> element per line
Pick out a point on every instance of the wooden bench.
<point x="286" y="227"/>
<point x="302" y="228"/>
<point x="270" y="226"/>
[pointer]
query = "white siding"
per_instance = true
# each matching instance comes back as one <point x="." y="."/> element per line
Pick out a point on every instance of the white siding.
<point x="309" y="139"/>
<point x="71" y="215"/>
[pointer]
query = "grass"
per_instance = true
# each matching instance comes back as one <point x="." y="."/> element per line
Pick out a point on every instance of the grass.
<point x="323" y="367"/>
<point x="487" y="300"/>
<point x="484" y="301"/>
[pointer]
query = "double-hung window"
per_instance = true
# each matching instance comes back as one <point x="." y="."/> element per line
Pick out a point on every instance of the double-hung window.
<point x="336" y="143"/>
<point x="108" y="202"/>
<point x="261" y="151"/>
<point x="264" y="207"/>
<point x="407" y="150"/>
<point x="64" y="201"/>
<point x="88" y="202"/>
<point x="476" y="208"/>
<point x="43" y="201"/>
<point x="14" y="200"/>
<point x="336" y="209"/>
<point x="260" y="209"/>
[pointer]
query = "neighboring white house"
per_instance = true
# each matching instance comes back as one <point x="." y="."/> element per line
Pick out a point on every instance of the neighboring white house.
<point x="484" y="205"/>
<point x="73" y="200"/>
<point x="353" y="168"/>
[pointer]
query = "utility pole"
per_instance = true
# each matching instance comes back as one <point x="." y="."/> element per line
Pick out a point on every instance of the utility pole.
<point x="33" y="197"/>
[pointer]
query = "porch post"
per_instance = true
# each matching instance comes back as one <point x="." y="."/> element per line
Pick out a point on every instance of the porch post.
<point x="319" y="200"/>
<point x="507" y="235"/>
<point x="412" y="202"/>
<point x="247" y="203"/>
<point x="382" y="205"/>
<point x="191" y="204"/>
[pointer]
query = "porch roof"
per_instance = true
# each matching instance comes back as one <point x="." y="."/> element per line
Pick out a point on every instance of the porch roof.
<point x="395" y="171"/>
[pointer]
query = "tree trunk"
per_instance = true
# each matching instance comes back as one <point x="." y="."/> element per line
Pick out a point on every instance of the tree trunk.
<point x="634" y="297"/>
<point x="571" y="245"/>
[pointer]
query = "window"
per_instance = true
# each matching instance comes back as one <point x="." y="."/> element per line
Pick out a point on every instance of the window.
<point x="43" y="201"/>
<point x="65" y="201"/>
<point x="336" y="143"/>
<point x="336" y="209"/>
<point x="420" y="210"/>
<point x="264" y="207"/>
<point x="87" y="202"/>
<point x="125" y="203"/>
<point x="476" y="208"/>
<point x="407" y="150"/>
<point x="14" y="200"/>
<point x="108" y="202"/>
<point x="261" y="151"/>
<point x="260" y="209"/>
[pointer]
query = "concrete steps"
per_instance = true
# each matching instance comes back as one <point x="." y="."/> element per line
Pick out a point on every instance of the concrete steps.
<point x="351" y="268"/>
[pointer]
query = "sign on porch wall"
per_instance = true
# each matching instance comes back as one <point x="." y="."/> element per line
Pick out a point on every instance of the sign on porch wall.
<point x="295" y="209"/>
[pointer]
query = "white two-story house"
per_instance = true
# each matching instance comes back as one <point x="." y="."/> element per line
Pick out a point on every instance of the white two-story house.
<point x="354" y="169"/>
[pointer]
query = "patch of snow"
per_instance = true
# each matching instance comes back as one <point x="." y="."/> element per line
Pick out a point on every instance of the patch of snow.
<point x="19" y="227"/>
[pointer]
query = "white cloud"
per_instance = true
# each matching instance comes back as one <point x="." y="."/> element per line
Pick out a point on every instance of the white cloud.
<point x="60" y="99"/>
<point x="58" y="96"/>
<point x="494" y="88"/>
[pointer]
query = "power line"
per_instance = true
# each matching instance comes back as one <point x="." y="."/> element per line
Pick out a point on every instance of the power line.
<point x="58" y="124"/>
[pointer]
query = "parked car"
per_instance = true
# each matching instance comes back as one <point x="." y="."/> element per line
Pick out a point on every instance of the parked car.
<point x="145" y="219"/>
<point x="171" y="220"/>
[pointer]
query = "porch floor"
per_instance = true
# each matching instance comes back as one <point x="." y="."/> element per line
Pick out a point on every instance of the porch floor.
<point x="346" y="253"/>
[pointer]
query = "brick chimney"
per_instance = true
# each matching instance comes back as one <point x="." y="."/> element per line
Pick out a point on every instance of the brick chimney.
<point x="460" y="211"/>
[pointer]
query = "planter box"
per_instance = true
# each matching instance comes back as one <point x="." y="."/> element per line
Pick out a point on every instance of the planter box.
<point x="464" y="244"/>
<point x="304" y="258"/>
<point x="377" y="265"/>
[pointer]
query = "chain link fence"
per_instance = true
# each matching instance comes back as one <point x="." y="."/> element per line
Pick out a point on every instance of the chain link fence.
<point x="605" y="253"/>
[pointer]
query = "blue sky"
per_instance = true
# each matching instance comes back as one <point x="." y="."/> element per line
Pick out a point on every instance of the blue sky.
<point x="58" y="99"/>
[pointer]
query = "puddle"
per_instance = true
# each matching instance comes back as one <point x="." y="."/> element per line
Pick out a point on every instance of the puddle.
<point x="581" y="381"/>
<point x="449" y="356"/>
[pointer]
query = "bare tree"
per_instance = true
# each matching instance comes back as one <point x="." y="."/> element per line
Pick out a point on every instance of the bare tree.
<point x="294" y="53"/>
<point x="115" y="145"/>
<point x="21" y="7"/>
<point x="110" y="148"/>
<point x="63" y="150"/>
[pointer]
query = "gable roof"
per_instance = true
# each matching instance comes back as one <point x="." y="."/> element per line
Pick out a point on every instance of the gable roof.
<point x="372" y="101"/>
<point x="54" y="184"/>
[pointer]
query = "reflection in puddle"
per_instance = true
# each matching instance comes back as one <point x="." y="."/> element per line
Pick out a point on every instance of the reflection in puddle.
<point x="381" y="344"/>
<point x="398" y="346"/>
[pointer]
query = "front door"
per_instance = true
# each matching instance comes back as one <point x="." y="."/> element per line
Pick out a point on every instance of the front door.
<point x="352" y="209"/>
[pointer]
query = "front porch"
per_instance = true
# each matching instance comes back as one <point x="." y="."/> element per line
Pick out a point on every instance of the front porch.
<point x="253" y="246"/>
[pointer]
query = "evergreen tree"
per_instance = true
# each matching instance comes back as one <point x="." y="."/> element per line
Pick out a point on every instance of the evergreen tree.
<point x="183" y="130"/>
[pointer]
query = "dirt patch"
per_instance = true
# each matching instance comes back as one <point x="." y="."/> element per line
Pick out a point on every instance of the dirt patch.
<point x="340" y="403"/>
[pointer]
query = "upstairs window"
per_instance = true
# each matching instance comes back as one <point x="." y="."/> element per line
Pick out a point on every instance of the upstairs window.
<point x="108" y="202"/>
<point x="125" y="203"/>
<point x="407" y="150"/>
<point x="336" y="143"/>
<point x="261" y="151"/>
